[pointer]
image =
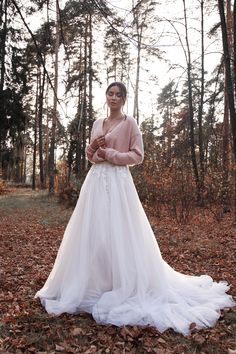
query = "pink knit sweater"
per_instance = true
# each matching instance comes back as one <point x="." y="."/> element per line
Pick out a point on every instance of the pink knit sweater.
<point x="124" y="145"/>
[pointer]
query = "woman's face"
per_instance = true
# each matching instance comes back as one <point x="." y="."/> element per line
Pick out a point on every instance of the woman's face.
<point x="114" y="98"/>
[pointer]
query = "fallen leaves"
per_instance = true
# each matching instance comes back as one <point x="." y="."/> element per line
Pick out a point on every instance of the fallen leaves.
<point x="198" y="339"/>
<point x="78" y="331"/>
<point x="31" y="230"/>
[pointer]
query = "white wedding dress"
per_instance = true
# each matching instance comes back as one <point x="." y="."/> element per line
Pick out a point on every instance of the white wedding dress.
<point x="109" y="264"/>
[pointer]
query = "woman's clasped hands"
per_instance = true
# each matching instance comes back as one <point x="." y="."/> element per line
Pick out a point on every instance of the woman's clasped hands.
<point x="99" y="145"/>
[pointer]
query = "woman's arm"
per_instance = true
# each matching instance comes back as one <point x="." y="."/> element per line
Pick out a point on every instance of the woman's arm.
<point x="92" y="148"/>
<point x="92" y="155"/>
<point x="133" y="157"/>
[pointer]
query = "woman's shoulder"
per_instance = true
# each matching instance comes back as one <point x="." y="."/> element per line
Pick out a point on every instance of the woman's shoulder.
<point x="132" y="122"/>
<point x="130" y="119"/>
<point x="98" y="121"/>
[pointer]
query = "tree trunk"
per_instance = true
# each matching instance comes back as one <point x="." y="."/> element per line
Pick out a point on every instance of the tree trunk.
<point x="233" y="120"/>
<point x="40" y="128"/>
<point x="136" y="91"/>
<point x="18" y="159"/>
<point x="51" y="160"/>
<point x="90" y="78"/>
<point x="35" y="134"/>
<point x="47" y="139"/>
<point x="3" y="49"/>
<point x="24" y="165"/>
<point x="229" y="80"/>
<point x="226" y="155"/>
<point x="226" y="128"/>
<point x="169" y="132"/>
<point x="200" y="111"/>
<point x="191" y="111"/>
<point x="79" y="117"/>
<point x="84" y="118"/>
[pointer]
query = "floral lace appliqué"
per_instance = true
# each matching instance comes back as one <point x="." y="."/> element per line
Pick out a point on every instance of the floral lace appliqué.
<point x="103" y="172"/>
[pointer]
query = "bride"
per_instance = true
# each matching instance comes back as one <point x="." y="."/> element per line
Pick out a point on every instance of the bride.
<point x="109" y="263"/>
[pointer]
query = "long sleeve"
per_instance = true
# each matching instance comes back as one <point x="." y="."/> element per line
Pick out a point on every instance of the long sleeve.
<point x="92" y="153"/>
<point x="133" y="157"/>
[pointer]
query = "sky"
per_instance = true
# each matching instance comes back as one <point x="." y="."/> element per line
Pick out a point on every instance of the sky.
<point x="159" y="70"/>
<point x="173" y="53"/>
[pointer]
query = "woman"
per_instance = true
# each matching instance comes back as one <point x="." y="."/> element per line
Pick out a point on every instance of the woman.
<point x="109" y="263"/>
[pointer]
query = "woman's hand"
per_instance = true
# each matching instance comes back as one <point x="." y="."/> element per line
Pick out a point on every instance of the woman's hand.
<point x="99" y="142"/>
<point x="101" y="152"/>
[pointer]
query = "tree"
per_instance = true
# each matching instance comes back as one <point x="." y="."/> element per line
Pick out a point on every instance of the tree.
<point x="142" y="12"/>
<point x="116" y="55"/>
<point x="167" y="104"/>
<point x="226" y="127"/>
<point x="230" y="71"/>
<point x="80" y="21"/>
<point x="13" y="88"/>
<point x="191" y="108"/>
<point x="51" y="160"/>
<point x="201" y="104"/>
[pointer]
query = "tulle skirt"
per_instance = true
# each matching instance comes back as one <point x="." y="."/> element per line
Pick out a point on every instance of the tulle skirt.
<point x="109" y="264"/>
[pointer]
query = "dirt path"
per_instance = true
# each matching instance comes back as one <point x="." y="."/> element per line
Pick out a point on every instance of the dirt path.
<point x="31" y="228"/>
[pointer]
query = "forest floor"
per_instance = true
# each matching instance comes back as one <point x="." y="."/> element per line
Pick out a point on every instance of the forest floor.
<point x="31" y="228"/>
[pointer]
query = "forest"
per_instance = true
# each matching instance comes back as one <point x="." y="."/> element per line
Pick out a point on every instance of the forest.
<point x="177" y="59"/>
<point x="53" y="80"/>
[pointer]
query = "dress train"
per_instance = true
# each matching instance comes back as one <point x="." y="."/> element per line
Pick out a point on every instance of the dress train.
<point x="109" y="264"/>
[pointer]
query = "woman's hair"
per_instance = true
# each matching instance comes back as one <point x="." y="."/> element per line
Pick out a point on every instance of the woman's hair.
<point x="122" y="88"/>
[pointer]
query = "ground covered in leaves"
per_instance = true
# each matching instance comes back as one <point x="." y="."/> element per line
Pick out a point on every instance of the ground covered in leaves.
<point x="31" y="229"/>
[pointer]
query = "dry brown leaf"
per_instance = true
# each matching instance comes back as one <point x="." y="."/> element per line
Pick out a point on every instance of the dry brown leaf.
<point x="192" y="326"/>
<point x="91" y="350"/>
<point x="161" y="340"/>
<point x="159" y="351"/>
<point x="231" y="351"/>
<point x="77" y="331"/>
<point x="126" y="332"/>
<point x="59" y="348"/>
<point x="198" y="339"/>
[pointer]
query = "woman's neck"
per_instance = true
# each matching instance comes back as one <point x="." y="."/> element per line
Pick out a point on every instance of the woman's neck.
<point x="115" y="114"/>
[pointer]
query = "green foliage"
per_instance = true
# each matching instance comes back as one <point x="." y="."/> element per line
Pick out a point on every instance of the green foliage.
<point x="117" y="54"/>
<point x="13" y="118"/>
